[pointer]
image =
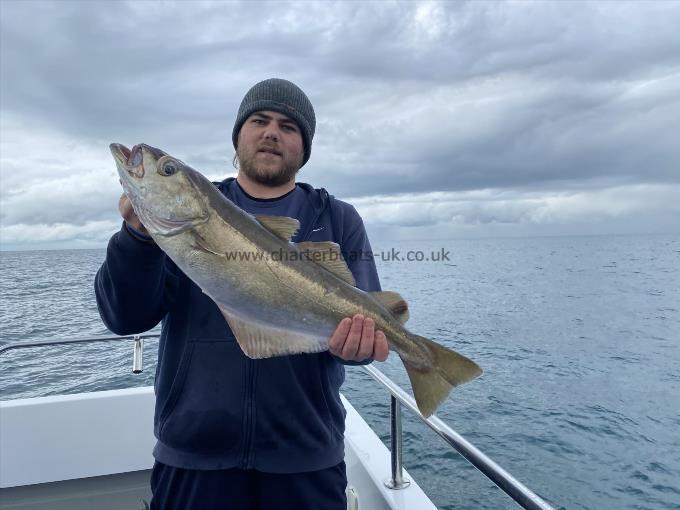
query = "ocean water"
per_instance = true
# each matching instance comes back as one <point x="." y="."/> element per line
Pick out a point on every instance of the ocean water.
<point x="579" y="339"/>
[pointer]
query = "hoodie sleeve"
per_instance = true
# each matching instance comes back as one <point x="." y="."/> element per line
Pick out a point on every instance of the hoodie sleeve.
<point x="357" y="252"/>
<point x="132" y="284"/>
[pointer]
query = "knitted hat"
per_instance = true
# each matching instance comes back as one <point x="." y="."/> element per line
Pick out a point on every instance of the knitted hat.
<point x="283" y="97"/>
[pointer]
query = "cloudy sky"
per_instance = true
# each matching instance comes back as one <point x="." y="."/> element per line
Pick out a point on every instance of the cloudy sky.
<point x="436" y="120"/>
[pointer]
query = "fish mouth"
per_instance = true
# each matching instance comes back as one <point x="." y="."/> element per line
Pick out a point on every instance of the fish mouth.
<point x="120" y="153"/>
<point x="132" y="160"/>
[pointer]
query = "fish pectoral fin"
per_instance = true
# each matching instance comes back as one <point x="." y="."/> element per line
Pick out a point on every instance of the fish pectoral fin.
<point x="202" y="245"/>
<point x="327" y="254"/>
<point x="433" y="383"/>
<point x="260" y="340"/>
<point x="393" y="301"/>
<point x="282" y="227"/>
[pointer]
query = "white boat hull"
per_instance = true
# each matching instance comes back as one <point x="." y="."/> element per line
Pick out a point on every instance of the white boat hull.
<point x="93" y="450"/>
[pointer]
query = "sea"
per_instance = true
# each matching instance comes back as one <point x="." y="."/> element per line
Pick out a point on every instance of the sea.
<point x="579" y="339"/>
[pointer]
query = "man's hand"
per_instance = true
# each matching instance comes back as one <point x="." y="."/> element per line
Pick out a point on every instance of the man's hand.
<point x="129" y="215"/>
<point x="356" y="339"/>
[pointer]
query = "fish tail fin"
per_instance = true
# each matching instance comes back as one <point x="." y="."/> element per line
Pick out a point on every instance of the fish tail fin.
<point x="432" y="384"/>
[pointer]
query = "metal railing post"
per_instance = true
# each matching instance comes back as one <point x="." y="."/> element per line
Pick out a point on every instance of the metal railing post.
<point x="138" y="355"/>
<point x="397" y="481"/>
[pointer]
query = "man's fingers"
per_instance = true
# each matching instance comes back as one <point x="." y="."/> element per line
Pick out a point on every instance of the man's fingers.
<point x="349" y="350"/>
<point x="126" y="210"/>
<point x="357" y="339"/>
<point x="381" y="348"/>
<point x="367" y="340"/>
<point x="337" y="341"/>
<point x="129" y="215"/>
<point x="123" y="204"/>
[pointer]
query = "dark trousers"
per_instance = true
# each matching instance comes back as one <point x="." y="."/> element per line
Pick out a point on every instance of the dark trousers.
<point x="237" y="489"/>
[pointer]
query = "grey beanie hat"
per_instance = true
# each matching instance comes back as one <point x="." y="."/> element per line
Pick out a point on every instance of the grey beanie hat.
<point x="280" y="96"/>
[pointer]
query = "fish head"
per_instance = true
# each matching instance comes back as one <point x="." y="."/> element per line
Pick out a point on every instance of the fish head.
<point x="162" y="189"/>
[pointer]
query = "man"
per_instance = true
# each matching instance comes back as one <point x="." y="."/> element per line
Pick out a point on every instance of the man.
<point x="235" y="432"/>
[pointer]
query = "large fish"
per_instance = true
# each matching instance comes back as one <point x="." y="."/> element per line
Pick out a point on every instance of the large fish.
<point x="277" y="296"/>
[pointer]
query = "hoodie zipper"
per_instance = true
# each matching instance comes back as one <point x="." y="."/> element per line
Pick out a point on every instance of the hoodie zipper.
<point x="310" y="227"/>
<point x="251" y="367"/>
<point x="249" y="424"/>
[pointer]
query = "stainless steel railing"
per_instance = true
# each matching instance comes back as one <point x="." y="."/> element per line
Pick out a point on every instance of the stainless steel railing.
<point x="504" y="480"/>
<point x="7" y="346"/>
<point x="137" y="349"/>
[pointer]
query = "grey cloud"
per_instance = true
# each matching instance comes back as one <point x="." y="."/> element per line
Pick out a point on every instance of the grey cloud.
<point x="558" y="136"/>
<point x="588" y="41"/>
<point x="410" y="97"/>
<point x="491" y="208"/>
<point x="76" y="200"/>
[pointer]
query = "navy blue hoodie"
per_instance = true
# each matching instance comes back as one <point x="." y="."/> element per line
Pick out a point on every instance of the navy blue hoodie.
<point x="216" y="408"/>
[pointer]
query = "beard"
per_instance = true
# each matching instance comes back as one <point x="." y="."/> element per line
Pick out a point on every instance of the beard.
<point x="263" y="175"/>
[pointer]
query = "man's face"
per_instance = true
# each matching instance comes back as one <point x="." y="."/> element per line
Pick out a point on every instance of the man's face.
<point x="270" y="148"/>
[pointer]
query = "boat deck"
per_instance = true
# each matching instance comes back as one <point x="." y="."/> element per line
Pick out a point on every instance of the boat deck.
<point x="93" y="450"/>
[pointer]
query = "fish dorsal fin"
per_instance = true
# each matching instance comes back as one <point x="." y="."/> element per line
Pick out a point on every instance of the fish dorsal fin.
<point x="281" y="226"/>
<point x="327" y="254"/>
<point x="394" y="303"/>
<point x="260" y="340"/>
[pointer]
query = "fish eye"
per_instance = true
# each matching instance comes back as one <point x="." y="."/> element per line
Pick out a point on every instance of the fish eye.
<point x="168" y="168"/>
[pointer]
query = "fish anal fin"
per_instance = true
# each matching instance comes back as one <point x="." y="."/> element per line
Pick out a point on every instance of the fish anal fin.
<point x="394" y="303"/>
<point x="327" y="254"/>
<point x="282" y="227"/>
<point x="260" y="340"/>
<point x="433" y="382"/>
